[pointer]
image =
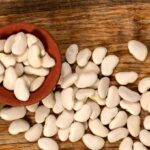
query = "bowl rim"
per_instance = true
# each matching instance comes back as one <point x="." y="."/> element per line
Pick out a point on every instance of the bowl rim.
<point x="51" y="47"/>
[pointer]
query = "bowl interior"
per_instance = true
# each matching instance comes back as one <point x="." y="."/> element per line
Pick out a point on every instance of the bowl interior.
<point x="6" y="96"/>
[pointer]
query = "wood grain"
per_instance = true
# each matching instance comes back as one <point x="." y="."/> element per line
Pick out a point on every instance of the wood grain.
<point x="88" y="23"/>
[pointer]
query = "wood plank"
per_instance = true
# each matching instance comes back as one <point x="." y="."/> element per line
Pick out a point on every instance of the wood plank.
<point x="89" y="24"/>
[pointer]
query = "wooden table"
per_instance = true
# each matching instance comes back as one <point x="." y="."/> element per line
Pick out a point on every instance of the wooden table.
<point x="89" y="23"/>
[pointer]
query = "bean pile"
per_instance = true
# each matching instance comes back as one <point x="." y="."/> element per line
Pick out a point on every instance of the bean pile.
<point x="24" y="63"/>
<point x="86" y="106"/>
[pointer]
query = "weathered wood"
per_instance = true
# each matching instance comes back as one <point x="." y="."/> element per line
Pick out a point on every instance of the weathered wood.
<point x="89" y="24"/>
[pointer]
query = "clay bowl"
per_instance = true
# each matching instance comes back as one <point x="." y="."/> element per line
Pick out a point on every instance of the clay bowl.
<point x="6" y="96"/>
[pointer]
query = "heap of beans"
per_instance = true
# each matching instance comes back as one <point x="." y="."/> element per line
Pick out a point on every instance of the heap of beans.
<point x="84" y="101"/>
<point x="24" y="63"/>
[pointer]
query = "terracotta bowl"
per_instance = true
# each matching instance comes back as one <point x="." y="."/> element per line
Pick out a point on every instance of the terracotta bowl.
<point x="6" y="96"/>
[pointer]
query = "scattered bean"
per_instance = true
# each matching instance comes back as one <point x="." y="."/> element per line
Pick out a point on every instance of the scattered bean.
<point x="41" y="113"/>
<point x="71" y="53"/>
<point x="138" y="50"/>
<point x="65" y="119"/>
<point x="18" y="126"/>
<point x="126" y="144"/>
<point x="117" y="134"/>
<point x="12" y="113"/>
<point x="76" y="131"/>
<point x="108" y="64"/>
<point x="83" y="57"/>
<point x="93" y="142"/>
<point x="145" y="137"/>
<point x="47" y="143"/>
<point x="103" y="87"/>
<point x="98" y="55"/>
<point x="128" y="95"/>
<point x="133" y="125"/>
<point x="124" y="78"/>
<point x="34" y="133"/>
<point x="50" y="128"/>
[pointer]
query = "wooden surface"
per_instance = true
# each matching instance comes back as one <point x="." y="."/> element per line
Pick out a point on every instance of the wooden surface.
<point x="89" y="23"/>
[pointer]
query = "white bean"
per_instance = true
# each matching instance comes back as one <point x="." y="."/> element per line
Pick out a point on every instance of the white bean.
<point x="21" y="90"/>
<point x="41" y="113"/>
<point x="20" y="44"/>
<point x="124" y="78"/>
<point x="34" y="133"/>
<point x="18" y="126"/>
<point x="113" y="98"/>
<point x="98" y="55"/>
<point x="65" y="71"/>
<point x="83" y="114"/>
<point x="98" y="128"/>
<point x="8" y="44"/>
<point x="34" y="56"/>
<point x="144" y="85"/>
<point x="12" y="113"/>
<point x="128" y="95"/>
<point x="93" y="142"/>
<point x="138" y="50"/>
<point x="126" y="144"/>
<point x="120" y="120"/>
<point x="95" y="109"/>
<point x="65" y="119"/>
<point x="76" y="131"/>
<point x="71" y="53"/>
<point x="139" y="146"/>
<point x="83" y="57"/>
<point x="47" y="144"/>
<point x="47" y="61"/>
<point x="108" y="64"/>
<point x="31" y="39"/>
<point x="145" y="137"/>
<point x="133" y="125"/>
<point x="117" y="134"/>
<point x="63" y="134"/>
<point x="86" y="79"/>
<point x="36" y="71"/>
<point x="67" y="96"/>
<point x="108" y="114"/>
<point x="132" y="108"/>
<point x="10" y="78"/>
<point x="103" y="87"/>
<point x="58" y="106"/>
<point x="50" y="128"/>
